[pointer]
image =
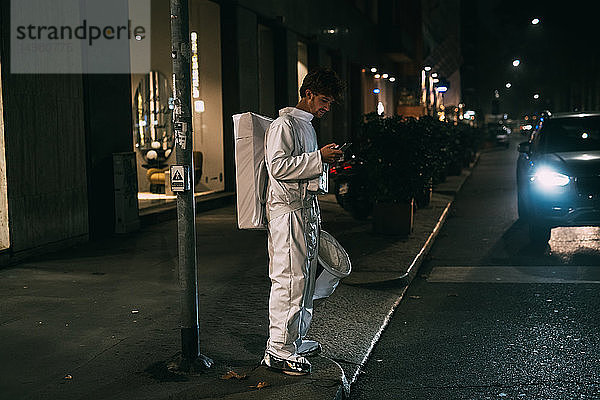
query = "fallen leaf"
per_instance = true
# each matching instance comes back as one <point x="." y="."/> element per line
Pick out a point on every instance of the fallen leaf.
<point x="415" y="297"/>
<point x="260" y="385"/>
<point x="233" y="374"/>
<point x="172" y="366"/>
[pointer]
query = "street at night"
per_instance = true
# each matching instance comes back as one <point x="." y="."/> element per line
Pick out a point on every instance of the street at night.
<point x="489" y="316"/>
<point x="285" y="199"/>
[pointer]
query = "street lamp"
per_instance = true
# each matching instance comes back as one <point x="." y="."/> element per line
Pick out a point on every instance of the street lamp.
<point x="536" y="96"/>
<point x="508" y="85"/>
<point x="535" y="21"/>
<point x="516" y="62"/>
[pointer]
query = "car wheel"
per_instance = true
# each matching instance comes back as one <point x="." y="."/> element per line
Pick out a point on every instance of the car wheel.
<point x="539" y="235"/>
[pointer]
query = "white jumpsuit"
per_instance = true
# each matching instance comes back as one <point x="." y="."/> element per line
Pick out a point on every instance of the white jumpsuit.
<point x="294" y="166"/>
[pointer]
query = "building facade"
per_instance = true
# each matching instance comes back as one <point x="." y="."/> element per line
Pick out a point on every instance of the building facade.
<point x="61" y="134"/>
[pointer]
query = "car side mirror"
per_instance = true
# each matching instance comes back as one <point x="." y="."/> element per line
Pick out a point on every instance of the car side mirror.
<point x="524" y="147"/>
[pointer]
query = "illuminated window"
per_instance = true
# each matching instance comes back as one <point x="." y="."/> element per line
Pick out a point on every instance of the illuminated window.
<point x="302" y="64"/>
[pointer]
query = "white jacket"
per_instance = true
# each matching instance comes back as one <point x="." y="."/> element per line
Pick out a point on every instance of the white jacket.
<point x="293" y="162"/>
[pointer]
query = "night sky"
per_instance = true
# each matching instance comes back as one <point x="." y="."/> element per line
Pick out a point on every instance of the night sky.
<point x="559" y="53"/>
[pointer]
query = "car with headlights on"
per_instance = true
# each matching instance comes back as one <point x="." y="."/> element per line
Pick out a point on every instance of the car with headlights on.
<point x="558" y="174"/>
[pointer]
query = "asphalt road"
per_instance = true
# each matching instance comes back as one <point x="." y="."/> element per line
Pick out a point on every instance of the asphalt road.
<point x="490" y="317"/>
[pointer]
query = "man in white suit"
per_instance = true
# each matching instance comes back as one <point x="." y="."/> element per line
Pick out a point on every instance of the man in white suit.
<point x="294" y="164"/>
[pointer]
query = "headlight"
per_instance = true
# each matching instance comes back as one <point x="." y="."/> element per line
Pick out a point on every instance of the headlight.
<point x="548" y="178"/>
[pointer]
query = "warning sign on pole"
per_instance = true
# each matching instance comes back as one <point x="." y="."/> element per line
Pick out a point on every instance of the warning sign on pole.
<point x="180" y="181"/>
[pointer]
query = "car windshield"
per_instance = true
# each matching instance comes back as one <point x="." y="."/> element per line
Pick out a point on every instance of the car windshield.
<point x="570" y="134"/>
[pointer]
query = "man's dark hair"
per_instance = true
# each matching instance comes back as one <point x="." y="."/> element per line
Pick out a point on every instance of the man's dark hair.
<point x="323" y="81"/>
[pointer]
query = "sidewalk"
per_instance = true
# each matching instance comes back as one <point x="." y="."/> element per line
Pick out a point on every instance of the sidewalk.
<point x="101" y="321"/>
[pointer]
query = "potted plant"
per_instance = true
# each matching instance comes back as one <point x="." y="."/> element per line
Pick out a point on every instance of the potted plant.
<point x="393" y="172"/>
<point x="437" y="146"/>
<point x="419" y="138"/>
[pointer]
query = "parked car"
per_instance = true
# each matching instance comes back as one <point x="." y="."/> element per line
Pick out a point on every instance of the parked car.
<point x="558" y="174"/>
<point x="500" y="133"/>
<point x="351" y="185"/>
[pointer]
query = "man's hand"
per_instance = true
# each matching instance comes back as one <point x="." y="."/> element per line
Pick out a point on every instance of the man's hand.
<point x="330" y="153"/>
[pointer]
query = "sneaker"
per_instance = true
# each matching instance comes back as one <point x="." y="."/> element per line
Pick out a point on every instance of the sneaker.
<point x="301" y="366"/>
<point x="309" y="348"/>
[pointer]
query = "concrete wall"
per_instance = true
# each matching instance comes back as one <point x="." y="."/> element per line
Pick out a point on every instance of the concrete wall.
<point x="45" y="159"/>
<point x="107" y="130"/>
<point x="45" y="154"/>
<point x="60" y="132"/>
<point x="239" y="49"/>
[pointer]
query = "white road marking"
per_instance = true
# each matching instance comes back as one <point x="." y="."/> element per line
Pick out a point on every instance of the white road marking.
<point x="515" y="274"/>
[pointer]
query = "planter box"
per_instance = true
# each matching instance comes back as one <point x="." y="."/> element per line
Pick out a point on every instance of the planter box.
<point x="393" y="218"/>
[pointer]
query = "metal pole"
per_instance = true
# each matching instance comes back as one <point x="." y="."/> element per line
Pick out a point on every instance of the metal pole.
<point x="182" y="118"/>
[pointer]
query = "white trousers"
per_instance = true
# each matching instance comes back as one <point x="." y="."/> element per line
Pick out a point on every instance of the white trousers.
<point x="293" y="248"/>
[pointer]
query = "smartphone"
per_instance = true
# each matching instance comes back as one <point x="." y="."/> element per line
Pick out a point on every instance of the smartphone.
<point x="344" y="147"/>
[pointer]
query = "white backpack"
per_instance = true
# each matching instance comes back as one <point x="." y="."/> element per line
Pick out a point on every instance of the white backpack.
<point x="250" y="171"/>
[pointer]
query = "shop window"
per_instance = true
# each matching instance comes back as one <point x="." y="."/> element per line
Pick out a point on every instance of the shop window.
<point x="207" y="99"/>
<point x="153" y="105"/>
